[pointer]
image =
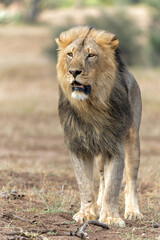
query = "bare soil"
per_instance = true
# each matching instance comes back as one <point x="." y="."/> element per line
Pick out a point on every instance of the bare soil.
<point x="38" y="189"/>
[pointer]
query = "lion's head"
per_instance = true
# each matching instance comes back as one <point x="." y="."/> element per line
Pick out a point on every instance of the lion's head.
<point x="86" y="64"/>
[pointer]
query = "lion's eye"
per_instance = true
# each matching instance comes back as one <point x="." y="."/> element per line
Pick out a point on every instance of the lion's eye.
<point x="70" y="54"/>
<point x="91" y="55"/>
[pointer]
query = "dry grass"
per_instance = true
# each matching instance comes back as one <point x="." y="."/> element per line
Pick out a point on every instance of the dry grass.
<point x="33" y="157"/>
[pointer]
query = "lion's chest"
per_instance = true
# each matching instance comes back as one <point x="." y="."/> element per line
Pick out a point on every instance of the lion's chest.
<point x="94" y="137"/>
<point x="86" y="138"/>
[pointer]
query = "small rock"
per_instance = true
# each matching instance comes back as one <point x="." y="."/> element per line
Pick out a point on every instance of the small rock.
<point x="155" y="225"/>
<point x="14" y="192"/>
<point x="133" y="229"/>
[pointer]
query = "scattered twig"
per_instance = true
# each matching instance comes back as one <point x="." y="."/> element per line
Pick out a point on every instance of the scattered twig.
<point x="43" y="225"/>
<point x="78" y="233"/>
<point x="12" y="233"/>
<point x="19" y="238"/>
<point x="11" y="216"/>
<point x="20" y="218"/>
<point x="47" y="230"/>
<point x="34" y="232"/>
<point x="22" y="233"/>
<point x="81" y="232"/>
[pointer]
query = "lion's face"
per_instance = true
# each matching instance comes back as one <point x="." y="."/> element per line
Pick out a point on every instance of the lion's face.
<point x="86" y="62"/>
<point x="82" y="62"/>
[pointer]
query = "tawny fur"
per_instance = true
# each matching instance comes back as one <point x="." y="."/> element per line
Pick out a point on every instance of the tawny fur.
<point x="104" y="125"/>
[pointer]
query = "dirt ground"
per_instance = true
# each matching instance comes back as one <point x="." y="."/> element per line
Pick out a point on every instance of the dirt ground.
<point x="38" y="189"/>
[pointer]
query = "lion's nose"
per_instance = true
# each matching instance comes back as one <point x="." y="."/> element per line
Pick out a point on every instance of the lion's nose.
<point x="75" y="73"/>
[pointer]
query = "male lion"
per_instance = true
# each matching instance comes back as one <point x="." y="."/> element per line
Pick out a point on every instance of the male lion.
<point x="100" y="111"/>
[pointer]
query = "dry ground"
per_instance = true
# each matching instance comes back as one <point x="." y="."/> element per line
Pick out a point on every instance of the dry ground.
<point x="34" y="163"/>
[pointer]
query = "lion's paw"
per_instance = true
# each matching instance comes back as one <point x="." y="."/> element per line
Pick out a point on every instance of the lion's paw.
<point x="131" y="215"/>
<point x="85" y="215"/>
<point x="118" y="222"/>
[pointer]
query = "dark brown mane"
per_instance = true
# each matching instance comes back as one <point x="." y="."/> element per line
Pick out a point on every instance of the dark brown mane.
<point x="87" y="35"/>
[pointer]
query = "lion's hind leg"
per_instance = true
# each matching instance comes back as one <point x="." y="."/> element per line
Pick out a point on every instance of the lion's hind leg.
<point x="132" y="160"/>
<point x="84" y="174"/>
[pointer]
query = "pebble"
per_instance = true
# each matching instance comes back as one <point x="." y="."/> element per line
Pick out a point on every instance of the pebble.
<point x="133" y="229"/>
<point x="155" y="225"/>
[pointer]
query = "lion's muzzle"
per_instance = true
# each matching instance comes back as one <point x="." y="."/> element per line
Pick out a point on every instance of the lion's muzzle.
<point x="76" y="86"/>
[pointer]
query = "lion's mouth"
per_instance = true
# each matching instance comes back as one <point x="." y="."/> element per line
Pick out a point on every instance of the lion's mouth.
<point x="76" y="86"/>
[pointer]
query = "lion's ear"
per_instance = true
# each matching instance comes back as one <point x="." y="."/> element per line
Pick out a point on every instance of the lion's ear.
<point x="63" y="41"/>
<point x="114" y="43"/>
<point x="59" y="43"/>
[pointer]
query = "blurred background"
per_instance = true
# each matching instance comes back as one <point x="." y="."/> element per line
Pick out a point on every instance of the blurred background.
<point x="135" y="22"/>
<point x="31" y="139"/>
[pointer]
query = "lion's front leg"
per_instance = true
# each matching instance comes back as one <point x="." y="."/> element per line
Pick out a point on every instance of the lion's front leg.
<point x="113" y="173"/>
<point x="100" y="167"/>
<point x="84" y="173"/>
